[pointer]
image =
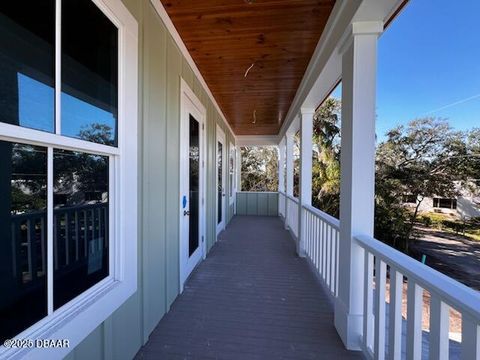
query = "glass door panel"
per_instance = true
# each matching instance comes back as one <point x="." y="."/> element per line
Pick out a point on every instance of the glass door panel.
<point x="220" y="182"/>
<point x="194" y="179"/>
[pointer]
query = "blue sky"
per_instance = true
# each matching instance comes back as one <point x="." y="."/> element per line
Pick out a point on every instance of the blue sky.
<point x="36" y="109"/>
<point x="429" y="65"/>
<point x="35" y="104"/>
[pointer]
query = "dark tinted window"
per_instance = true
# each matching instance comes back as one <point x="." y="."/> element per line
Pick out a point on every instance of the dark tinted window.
<point x="89" y="73"/>
<point x="27" y="63"/>
<point x="194" y="182"/>
<point x="80" y="236"/>
<point x="219" y="182"/>
<point x="23" y="237"/>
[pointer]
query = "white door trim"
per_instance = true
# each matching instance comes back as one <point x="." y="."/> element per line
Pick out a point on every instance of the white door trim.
<point x="221" y="138"/>
<point x="190" y="104"/>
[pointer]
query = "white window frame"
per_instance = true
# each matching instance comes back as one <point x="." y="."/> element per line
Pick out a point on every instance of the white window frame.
<point x="232" y="183"/>
<point x="189" y="100"/>
<point x="75" y="320"/>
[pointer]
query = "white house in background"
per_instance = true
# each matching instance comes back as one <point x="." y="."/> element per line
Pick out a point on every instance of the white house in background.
<point x="465" y="206"/>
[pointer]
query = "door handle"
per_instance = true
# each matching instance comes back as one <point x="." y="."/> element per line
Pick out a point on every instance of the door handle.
<point x="186" y="213"/>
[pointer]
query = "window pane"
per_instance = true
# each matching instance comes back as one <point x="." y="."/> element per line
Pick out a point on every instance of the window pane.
<point x="194" y="182"/>
<point x="80" y="242"/>
<point x="219" y="182"/>
<point x="89" y="73"/>
<point x="23" y="234"/>
<point x="27" y="63"/>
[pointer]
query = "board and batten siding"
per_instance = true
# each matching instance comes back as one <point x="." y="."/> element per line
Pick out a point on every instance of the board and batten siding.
<point x="257" y="203"/>
<point x="161" y="66"/>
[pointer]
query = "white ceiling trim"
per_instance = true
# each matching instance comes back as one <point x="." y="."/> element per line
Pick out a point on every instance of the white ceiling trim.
<point x="181" y="45"/>
<point x="257" y="140"/>
<point x="324" y="69"/>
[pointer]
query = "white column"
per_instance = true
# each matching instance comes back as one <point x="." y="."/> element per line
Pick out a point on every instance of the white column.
<point x="305" y="198"/>
<point x="281" y="166"/>
<point x="238" y="164"/>
<point x="357" y="188"/>
<point x="289" y="171"/>
<point x="289" y="162"/>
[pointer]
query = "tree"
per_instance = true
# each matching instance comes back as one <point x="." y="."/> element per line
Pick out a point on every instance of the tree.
<point x="424" y="159"/>
<point x="326" y="157"/>
<point x="259" y="168"/>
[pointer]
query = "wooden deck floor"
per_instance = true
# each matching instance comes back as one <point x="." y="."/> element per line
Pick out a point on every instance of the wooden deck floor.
<point x="252" y="298"/>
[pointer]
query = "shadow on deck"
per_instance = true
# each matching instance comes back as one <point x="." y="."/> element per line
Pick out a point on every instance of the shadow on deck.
<point x="252" y="298"/>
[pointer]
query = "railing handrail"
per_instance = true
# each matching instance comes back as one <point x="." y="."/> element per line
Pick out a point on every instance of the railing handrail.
<point x="56" y="211"/>
<point x="452" y="292"/>
<point x="257" y="192"/>
<point x="294" y="199"/>
<point x="332" y="221"/>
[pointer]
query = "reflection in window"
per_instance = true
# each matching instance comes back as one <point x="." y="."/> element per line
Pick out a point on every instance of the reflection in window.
<point x="35" y="108"/>
<point x="89" y="73"/>
<point x="27" y="61"/>
<point x="23" y="234"/>
<point x="219" y="182"/>
<point x="231" y="170"/>
<point x="194" y="185"/>
<point x="81" y="223"/>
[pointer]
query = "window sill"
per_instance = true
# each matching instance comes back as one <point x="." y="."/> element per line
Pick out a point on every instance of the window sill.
<point x="73" y="321"/>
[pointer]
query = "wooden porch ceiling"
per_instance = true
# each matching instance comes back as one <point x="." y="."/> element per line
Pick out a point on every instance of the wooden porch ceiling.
<point x="226" y="37"/>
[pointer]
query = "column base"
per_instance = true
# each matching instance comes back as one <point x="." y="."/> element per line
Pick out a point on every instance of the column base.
<point x="300" y="250"/>
<point x="349" y="326"/>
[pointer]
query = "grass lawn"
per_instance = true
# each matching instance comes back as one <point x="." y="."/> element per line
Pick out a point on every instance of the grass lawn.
<point x="451" y="224"/>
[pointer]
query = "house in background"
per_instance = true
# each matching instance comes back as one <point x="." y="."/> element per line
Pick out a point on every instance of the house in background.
<point x="143" y="104"/>
<point x="465" y="206"/>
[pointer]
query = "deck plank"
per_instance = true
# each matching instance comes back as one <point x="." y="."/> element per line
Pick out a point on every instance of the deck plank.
<point x="252" y="298"/>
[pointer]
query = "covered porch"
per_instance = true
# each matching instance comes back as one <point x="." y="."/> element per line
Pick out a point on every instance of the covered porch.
<point x="252" y="298"/>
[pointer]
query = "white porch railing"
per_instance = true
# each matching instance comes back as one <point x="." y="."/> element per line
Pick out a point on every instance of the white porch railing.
<point x="281" y="204"/>
<point x="445" y="293"/>
<point x="321" y="245"/>
<point x="292" y="214"/>
<point x="383" y="334"/>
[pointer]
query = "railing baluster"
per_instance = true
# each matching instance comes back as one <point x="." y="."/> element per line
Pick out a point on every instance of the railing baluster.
<point x="105" y="219"/>
<point x="414" y="320"/>
<point x="31" y="248"/>
<point x="332" y="261"/>
<point x="77" y="236"/>
<point x="319" y="249"/>
<point x="470" y="338"/>
<point x="307" y="231"/>
<point x="395" y="315"/>
<point x="317" y="244"/>
<point x="337" y="255"/>
<point x="439" y="327"/>
<point x="67" y="239"/>
<point x="55" y="240"/>
<point x="327" y="253"/>
<point x="368" y="302"/>
<point x="314" y="240"/>
<point x="310" y="234"/>
<point x="324" y="250"/>
<point x="321" y="243"/>
<point x="380" y="279"/>
<point x="15" y="245"/>
<point x="42" y="245"/>
<point x="92" y="214"/>
<point x="85" y="234"/>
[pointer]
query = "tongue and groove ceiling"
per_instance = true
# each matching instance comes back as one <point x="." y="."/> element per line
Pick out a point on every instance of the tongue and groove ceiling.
<point x="251" y="53"/>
